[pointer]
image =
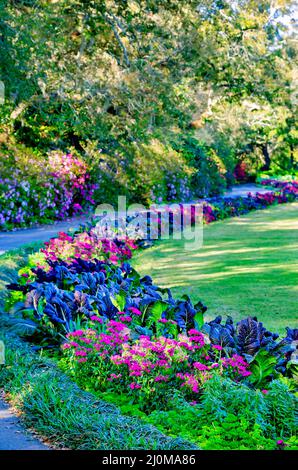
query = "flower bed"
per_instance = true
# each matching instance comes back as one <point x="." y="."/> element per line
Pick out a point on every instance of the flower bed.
<point x="132" y="343"/>
<point x="288" y="186"/>
<point x="223" y="207"/>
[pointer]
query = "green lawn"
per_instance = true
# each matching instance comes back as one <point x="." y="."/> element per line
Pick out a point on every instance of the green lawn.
<point x="10" y="263"/>
<point x="247" y="266"/>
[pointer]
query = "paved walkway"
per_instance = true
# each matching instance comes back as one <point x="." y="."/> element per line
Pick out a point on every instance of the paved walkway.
<point x="13" y="436"/>
<point x="11" y="240"/>
<point x="244" y="189"/>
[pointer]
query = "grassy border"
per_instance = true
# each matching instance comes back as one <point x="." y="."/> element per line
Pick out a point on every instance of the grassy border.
<point x="58" y="410"/>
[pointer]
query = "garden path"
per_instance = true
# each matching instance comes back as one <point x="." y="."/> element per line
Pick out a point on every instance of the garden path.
<point x="244" y="189"/>
<point x="13" y="436"/>
<point x="12" y="240"/>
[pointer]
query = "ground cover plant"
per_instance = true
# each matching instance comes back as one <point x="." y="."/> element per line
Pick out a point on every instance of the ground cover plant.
<point x="121" y="335"/>
<point x="161" y="102"/>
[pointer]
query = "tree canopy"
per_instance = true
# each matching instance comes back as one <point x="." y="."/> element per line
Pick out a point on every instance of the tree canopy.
<point x="111" y="76"/>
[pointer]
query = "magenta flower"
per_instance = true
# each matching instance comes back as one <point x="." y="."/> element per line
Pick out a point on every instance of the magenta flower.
<point x="96" y="318"/>
<point x="280" y="442"/>
<point x="125" y="318"/>
<point x="134" y="386"/>
<point x="80" y="353"/>
<point x="161" y="378"/>
<point x="135" y="311"/>
<point x="193" y="332"/>
<point x="217" y="347"/>
<point x="77" y="333"/>
<point x="200" y="366"/>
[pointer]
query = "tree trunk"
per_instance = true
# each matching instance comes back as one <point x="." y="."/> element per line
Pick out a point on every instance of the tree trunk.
<point x="291" y="156"/>
<point x="267" y="158"/>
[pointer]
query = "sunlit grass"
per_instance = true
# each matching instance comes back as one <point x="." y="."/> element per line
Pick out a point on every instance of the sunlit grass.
<point x="10" y="263"/>
<point x="247" y="266"/>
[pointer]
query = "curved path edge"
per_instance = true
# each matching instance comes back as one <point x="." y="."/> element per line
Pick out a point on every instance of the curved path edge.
<point x="13" y="240"/>
<point x="13" y="435"/>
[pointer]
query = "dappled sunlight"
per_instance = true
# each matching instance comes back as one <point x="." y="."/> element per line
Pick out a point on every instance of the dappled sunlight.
<point x="246" y="266"/>
<point x="222" y="251"/>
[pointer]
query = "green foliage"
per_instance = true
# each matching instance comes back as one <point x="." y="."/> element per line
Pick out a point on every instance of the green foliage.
<point x="123" y="83"/>
<point x="222" y="397"/>
<point x="262" y="367"/>
<point x="209" y="167"/>
<point x="282" y="409"/>
<point x="235" y="434"/>
<point x="227" y="417"/>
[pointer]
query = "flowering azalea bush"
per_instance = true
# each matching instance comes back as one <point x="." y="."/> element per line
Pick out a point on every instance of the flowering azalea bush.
<point x="241" y="172"/>
<point x="63" y="189"/>
<point x="73" y="172"/>
<point x="288" y="186"/>
<point x="23" y="202"/>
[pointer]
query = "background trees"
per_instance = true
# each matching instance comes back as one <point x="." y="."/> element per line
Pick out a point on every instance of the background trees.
<point x="115" y="81"/>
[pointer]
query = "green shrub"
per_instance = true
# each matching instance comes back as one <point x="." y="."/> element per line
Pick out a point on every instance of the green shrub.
<point x="143" y="172"/>
<point x="228" y="416"/>
<point x="209" y="169"/>
<point x="222" y="397"/>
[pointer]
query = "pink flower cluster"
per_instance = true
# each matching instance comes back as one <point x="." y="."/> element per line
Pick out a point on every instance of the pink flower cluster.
<point x="61" y="189"/>
<point x="238" y="364"/>
<point x="74" y="173"/>
<point x="146" y="364"/>
<point x="87" y="246"/>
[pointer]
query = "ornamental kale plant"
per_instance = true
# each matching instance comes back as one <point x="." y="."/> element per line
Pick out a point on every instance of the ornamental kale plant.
<point x="267" y="356"/>
<point x="64" y="294"/>
<point x="71" y="285"/>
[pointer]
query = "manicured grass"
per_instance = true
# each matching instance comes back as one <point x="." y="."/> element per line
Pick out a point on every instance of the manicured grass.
<point x="10" y="263"/>
<point x="247" y="266"/>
